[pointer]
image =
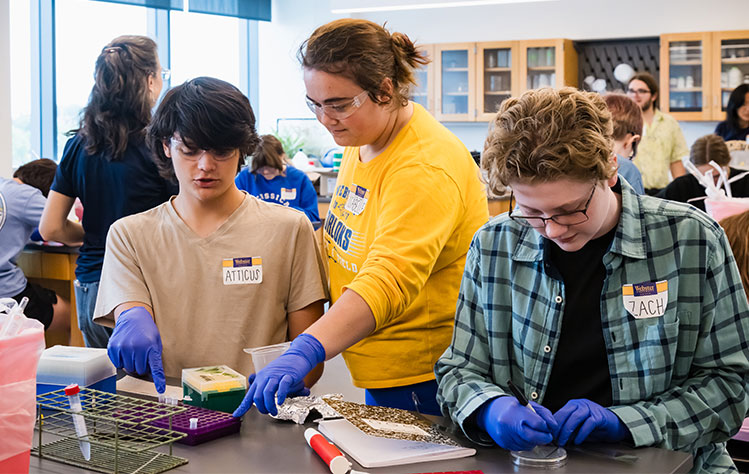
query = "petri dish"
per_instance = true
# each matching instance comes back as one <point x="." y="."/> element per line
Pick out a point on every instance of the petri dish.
<point x="544" y="457"/>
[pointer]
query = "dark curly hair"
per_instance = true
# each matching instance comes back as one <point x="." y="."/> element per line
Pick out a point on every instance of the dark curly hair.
<point x="119" y="107"/>
<point x="208" y="114"/>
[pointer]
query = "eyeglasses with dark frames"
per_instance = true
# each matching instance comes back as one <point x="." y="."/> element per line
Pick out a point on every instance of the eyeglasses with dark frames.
<point x="567" y="218"/>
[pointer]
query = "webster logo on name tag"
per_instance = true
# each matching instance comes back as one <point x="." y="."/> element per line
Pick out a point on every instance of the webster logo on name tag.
<point x="357" y="200"/>
<point x="242" y="270"/>
<point x="647" y="299"/>
<point x="288" y="194"/>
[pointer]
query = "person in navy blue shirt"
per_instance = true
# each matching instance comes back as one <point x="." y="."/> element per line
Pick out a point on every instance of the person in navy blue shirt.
<point x="272" y="179"/>
<point x="736" y="124"/>
<point x="107" y="165"/>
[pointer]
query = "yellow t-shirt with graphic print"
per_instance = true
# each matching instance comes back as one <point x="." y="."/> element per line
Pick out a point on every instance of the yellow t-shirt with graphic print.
<point x="397" y="233"/>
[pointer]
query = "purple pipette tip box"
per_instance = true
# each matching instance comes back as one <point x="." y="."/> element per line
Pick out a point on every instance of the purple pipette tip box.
<point x="212" y="424"/>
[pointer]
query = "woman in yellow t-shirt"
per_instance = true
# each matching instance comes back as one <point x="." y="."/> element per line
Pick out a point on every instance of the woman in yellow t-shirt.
<point x="407" y="202"/>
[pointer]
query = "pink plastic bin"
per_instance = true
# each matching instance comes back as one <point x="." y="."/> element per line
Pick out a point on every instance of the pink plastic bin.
<point x="19" y="356"/>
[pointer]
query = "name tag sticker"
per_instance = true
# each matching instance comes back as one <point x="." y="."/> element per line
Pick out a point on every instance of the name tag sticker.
<point x="288" y="194"/>
<point x="357" y="200"/>
<point x="646" y="300"/>
<point x="242" y="270"/>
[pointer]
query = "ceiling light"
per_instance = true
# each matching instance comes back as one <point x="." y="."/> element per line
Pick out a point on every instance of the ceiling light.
<point x="424" y="6"/>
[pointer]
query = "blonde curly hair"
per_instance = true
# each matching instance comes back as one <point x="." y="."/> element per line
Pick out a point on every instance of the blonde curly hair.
<point x="547" y="134"/>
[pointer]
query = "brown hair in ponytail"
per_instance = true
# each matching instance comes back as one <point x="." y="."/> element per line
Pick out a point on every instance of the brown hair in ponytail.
<point x="119" y="107"/>
<point x="366" y="53"/>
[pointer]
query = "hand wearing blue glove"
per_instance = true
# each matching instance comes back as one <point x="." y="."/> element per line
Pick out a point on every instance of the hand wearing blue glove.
<point x="135" y="345"/>
<point x="591" y="421"/>
<point x="514" y="426"/>
<point x="284" y="376"/>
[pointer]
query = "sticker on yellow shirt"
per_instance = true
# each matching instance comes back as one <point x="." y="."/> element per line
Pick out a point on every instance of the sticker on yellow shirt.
<point x="357" y="200"/>
<point x="243" y="270"/>
<point x="288" y="194"/>
<point x="647" y="299"/>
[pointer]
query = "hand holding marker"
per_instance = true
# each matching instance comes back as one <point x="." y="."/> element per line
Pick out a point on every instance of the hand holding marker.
<point x="517" y="393"/>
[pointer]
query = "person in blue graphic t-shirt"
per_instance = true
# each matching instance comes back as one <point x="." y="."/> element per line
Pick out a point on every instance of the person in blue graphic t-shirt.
<point x="271" y="179"/>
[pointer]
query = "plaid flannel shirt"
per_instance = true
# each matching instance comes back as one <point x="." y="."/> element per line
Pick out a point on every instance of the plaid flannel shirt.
<point x="678" y="381"/>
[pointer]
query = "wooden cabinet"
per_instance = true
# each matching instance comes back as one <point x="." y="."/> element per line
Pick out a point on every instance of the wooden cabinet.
<point x="423" y="92"/>
<point x="685" y="76"/>
<point x="470" y="80"/>
<point x="497" y="79"/>
<point x="455" y="81"/>
<point x="699" y="71"/>
<point x="730" y="67"/>
<point x="547" y="63"/>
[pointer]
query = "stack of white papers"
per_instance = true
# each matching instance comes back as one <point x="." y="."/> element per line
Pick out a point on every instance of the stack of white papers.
<point x="373" y="451"/>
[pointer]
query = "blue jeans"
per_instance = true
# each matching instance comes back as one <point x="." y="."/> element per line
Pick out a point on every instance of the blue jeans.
<point x="85" y="302"/>
<point x="420" y="397"/>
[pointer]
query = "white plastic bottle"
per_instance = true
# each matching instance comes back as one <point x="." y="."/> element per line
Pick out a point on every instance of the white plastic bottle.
<point x="300" y="160"/>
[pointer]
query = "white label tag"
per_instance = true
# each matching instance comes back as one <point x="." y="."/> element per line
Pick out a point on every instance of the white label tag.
<point x="395" y="427"/>
<point x="646" y="300"/>
<point x="357" y="200"/>
<point x="288" y="194"/>
<point x="242" y="271"/>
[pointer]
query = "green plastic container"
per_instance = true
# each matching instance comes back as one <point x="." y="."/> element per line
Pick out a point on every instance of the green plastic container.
<point x="216" y="388"/>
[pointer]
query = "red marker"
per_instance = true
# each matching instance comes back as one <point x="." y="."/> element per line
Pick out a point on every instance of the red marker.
<point x="330" y="455"/>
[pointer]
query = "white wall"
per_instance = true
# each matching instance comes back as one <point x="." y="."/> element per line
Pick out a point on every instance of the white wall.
<point x="6" y="148"/>
<point x="574" y="19"/>
<point x="282" y="91"/>
<point x="281" y="88"/>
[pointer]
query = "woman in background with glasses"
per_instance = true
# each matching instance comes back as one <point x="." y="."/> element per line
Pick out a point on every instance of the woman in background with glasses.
<point x="107" y="165"/>
<point x="407" y="202"/>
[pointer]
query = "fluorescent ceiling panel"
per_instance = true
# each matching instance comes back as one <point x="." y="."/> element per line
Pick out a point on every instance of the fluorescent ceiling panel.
<point x="395" y="5"/>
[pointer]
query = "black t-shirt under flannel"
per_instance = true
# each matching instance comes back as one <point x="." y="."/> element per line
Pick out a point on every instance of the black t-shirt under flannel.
<point x="580" y="368"/>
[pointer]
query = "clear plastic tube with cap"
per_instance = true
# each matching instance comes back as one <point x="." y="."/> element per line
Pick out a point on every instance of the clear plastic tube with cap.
<point x="14" y="319"/>
<point x="72" y="391"/>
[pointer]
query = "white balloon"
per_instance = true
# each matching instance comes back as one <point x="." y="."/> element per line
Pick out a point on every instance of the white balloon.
<point x="599" y="85"/>
<point x="589" y="80"/>
<point x="623" y="72"/>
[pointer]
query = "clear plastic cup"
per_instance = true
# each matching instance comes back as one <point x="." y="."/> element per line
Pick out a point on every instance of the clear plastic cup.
<point x="262" y="356"/>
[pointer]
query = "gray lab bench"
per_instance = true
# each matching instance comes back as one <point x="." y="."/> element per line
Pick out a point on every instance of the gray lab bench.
<point x="268" y="446"/>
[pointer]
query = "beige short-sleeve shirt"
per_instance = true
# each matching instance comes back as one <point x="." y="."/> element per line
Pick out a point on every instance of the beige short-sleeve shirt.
<point x="216" y="295"/>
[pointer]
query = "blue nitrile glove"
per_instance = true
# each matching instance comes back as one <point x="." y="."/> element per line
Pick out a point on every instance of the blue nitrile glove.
<point x="284" y="375"/>
<point x="514" y="426"/>
<point x="135" y="345"/>
<point x="590" y="420"/>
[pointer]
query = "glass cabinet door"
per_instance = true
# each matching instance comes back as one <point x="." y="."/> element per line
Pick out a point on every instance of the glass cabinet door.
<point x="685" y="81"/>
<point x="734" y="69"/>
<point x="496" y="77"/>
<point x="455" y="76"/>
<point x="422" y="92"/>
<point x="547" y="63"/>
<point x="540" y="67"/>
<point x="454" y="82"/>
